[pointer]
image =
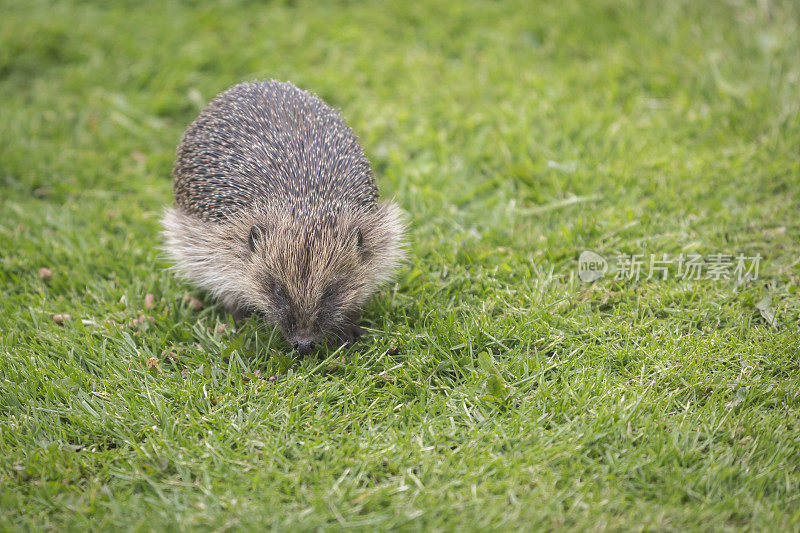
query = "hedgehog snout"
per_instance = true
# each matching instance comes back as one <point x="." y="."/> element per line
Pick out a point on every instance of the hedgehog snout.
<point x="303" y="347"/>
<point x="303" y="340"/>
<point x="304" y="344"/>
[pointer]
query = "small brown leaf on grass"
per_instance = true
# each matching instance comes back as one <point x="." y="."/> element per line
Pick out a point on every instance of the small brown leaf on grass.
<point x="136" y="323"/>
<point x="152" y="362"/>
<point x="193" y="303"/>
<point x="149" y="301"/>
<point x="170" y="355"/>
<point x="393" y="349"/>
<point x="219" y="330"/>
<point x="61" y="318"/>
<point x="336" y="363"/>
<point x="45" y="273"/>
<point x="385" y="378"/>
<point x="152" y="366"/>
<point x="219" y="398"/>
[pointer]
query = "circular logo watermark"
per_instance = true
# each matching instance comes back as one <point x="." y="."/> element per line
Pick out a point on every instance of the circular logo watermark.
<point x="591" y="266"/>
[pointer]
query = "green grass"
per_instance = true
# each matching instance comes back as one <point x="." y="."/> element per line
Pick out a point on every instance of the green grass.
<point x="495" y="390"/>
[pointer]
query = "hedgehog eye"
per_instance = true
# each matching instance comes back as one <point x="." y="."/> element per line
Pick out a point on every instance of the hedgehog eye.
<point x="271" y="286"/>
<point x="254" y="238"/>
<point x="332" y="292"/>
<point x="327" y="294"/>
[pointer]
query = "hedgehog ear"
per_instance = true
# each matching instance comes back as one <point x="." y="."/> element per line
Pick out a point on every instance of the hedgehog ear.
<point x="256" y="235"/>
<point x="358" y="236"/>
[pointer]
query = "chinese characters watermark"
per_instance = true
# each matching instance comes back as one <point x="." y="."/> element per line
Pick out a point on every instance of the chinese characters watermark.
<point x="690" y="267"/>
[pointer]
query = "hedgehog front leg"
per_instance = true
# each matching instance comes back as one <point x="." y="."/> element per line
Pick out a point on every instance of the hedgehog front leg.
<point x="240" y="314"/>
<point x="349" y="333"/>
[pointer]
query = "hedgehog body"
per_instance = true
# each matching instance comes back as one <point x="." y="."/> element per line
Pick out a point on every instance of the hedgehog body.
<point x="277" y="212"/>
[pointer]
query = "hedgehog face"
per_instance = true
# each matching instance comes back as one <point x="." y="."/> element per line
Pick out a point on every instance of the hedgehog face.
<point x="311" y="283"/>
<point x="309" y="310"/>
<point x="309" y="278"/>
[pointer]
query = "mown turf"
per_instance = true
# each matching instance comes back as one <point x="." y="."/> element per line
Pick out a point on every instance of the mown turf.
<point x="495" y="390"/>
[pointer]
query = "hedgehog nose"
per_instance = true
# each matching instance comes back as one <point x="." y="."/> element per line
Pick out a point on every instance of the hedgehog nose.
<point x="304" y="348"/>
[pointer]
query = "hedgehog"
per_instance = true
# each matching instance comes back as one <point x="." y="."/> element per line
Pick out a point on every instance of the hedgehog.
<point x="277" y="214"/>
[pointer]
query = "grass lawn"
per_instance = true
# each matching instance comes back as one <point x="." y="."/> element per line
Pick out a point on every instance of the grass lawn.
<point x="495" y="389"/>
